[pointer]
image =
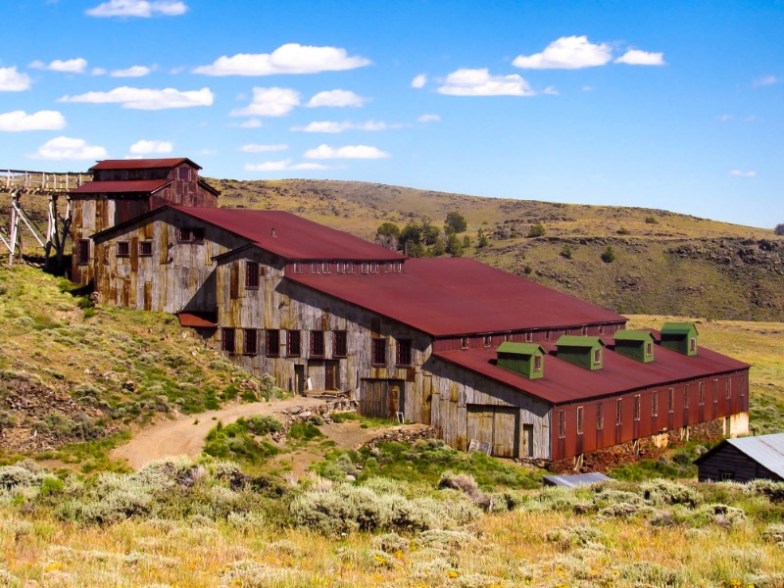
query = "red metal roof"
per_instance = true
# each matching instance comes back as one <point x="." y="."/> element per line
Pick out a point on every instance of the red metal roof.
<point x="457" y="296"/>
<point x="195" y="321"/>
<point x="142" y="163"/>
<point x="564" y="382"/>
<point x="290" y="236"/>
<point x="124" y="186"/>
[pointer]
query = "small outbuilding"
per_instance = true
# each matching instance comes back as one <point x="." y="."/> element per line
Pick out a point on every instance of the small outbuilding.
<point x="744" y="459"/>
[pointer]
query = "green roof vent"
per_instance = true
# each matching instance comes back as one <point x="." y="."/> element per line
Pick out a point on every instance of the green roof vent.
<point x="635" y="344"/>
<point x="526" y="359"/>
<point x="680" y="337"/>
<point x="583" y="351"/>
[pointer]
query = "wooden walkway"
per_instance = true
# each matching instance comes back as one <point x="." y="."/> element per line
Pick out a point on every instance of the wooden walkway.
<point x="39" y="182"/>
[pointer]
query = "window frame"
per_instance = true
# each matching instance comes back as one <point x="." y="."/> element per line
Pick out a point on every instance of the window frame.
<point x="537" y="363"/>
<point x="637" y="407"/>
<point x="618" y="412"/>
<point x="272" y="342"/>
<point x="123" y="248"/>
<point x="655" y="403"/>
<point x="403" y="355"/>
<point x="580" y="419"/>
<point x="340" y="343"/>
<point x="671" y="399"/>
<point x="146" y="248"/>
<point x="248" y="336"/>
<point x="252" y="274"/>
<point x="317" y="343"/>
<point x="378" y="348"/>
<point x="600" y="416"/>
<point x="561" y="424"/>
<point x="229" y="340"/>
<point x="293" y="343"/>
<point x="83" y="252"/>
<point x="701" y="393"/>
<point x="597" y="356"/>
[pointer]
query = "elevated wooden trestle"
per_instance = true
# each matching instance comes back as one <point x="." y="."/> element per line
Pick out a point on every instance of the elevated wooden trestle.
<point x="38" y="184"/>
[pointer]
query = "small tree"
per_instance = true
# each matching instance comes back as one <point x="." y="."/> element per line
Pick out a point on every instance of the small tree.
<point x="566" y="251"/>
<point x="453" y="245"/>
<point x="388" y="235"/>
<point x="779" y="230"/>
<point x="482" y="240"/>
<point x="455" y="223"/>
<point x="536" y="230"/>
<point x="609" y="255"/>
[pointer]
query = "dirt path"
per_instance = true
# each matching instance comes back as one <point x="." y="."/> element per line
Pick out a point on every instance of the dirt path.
<point x="185" y="434"/>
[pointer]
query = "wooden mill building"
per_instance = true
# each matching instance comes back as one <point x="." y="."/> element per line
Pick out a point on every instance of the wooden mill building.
<point x="479" y="354"/>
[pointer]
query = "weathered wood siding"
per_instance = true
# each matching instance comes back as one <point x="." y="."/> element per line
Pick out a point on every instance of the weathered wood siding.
<point x="468" y="406"/>
<point x="729" y="463"/>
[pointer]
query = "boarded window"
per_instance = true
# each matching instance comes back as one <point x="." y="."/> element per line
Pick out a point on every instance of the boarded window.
<point x="184" y="173"/>
<point x="649" y="349"/>
<point x="686" y="396"/>
<point x="579" y="420"/>
<point x="234" y="282"/>
<point x="702" y="394"/>
<point x="123" y="249"/>
<point x="317" y="343"/>
<point x="561" y="424"/>
<point x="599" y="417"/>
<point x="728" y="388"/>
<point x="83" y="251"/>
<point x="655" y="404"/>
<point x="339" y="344"/>
<point x="379" y="352"/>
<point x="637" y="408"/>
<point x="251" y="275"/>
<point x="228" y="340"/>
<point x="692" y="344"/>
<point x="250" y="342"/>
<point x="537" y="363"/>
<point x="619" y="411"/>
<point x="671" y="400"/>
<point x="403" y="352"/>
<point x="145" y="248"/>
<point x="273" y="343"/>
<point x="294" y="340"/>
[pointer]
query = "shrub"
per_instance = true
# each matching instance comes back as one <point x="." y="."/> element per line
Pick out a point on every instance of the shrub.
<point x="566" y="252"/>
<point x="391" y="543"/>
<point x="660" y="492"/>
<point x="774" y="533"/>
<point x="537" y="230"/>
<point x="644" y="573"/>
<point x="455" y="223"/>
<point x="466" y="484"/>
<point x="608" y="256"/>
<point x="779" y="230"/>
<point x="304" y="431"/>
<point x="651" y="220"/>
<point x="12" y="477"/>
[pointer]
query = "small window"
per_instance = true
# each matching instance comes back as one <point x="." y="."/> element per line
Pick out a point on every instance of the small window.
<point x="601" y="329"/>
<point x="251" y="275"/>
<point x="374" y="268"/>
<point x="325" y="267"/>
<point x="184" y="173"/>
<point x="463" y="342"/>
<point x="655" y="404"/>
<point x="726" y="476"/>
<point x="529" y="337"/>
<point x="487" y="341"/>
<point x="561" y="424"/>
<point x="228" y="340"/>
<point x="317" y="343"/>
<point x="398" y="266"/>
<point x="339" y="344"/>
<point x="297" y="267"/>
<point x="686" y="396"/>
<point x="315" y="268"/>
<point x="537" y="363"/>
<point x="547" y="335"/>
<point x="702" y="394"/>
<point x="83" y="251"/>
<point x="584" y="330"/>
<point x="693" y="344"/>
<point x="579" y="420"/>
<point x="145" y="248"/>
<point x="379" y="352"/>
<point x="599" y="416"/>
<point x="364" y="268"/>
<point x="123" y="249"/>
<point x="350" y="267"/>
<point x="403" y="352"/>
<point x="183" y="235"/>
<point x="250" y="342"/>
<point x="671" y="400"/>
<point x="649" y="348"/>
<point x="716" y="391"/>
<point x="340" y="267"/>
<point x="294" y="340"/>
<point x="619" y="411"/>
<point x="597" y="356"/>
<point x="728" y="389"/>
<point x="272" y="343"/>
<point x="637" y="408"/>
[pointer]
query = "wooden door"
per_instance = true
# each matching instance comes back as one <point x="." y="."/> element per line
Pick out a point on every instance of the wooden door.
<point x="332" y="375"/>
<point x="527" y="441"/>
<point x="505" y="432"/>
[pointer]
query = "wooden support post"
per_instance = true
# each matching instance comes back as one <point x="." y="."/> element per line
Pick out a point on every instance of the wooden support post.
<point x="14" y="228"/>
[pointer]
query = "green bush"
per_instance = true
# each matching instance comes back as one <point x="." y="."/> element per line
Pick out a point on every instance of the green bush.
<point x="608" y="256"/>
<point x="304" y="431"/>
<point x="566" y="252"/>
<point x="651" y="220"/>
<point x="537" y="230"/>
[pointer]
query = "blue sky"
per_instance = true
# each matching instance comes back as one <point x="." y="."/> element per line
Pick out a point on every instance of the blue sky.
<point x="675" y="105"/>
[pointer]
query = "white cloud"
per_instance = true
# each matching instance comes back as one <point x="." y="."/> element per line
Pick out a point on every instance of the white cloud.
<point x="76" y="65"/>
<point x="479" y="82"/>
<point x="270" y="102"/>
<point x="346" y="152"/>
<point x="13" y="81"/>
<point x="419" y="81"/>
<point x="98" y="71"/>
<point x="135" y="71"/>
<point x="139" y="8"/>
<point x="427" y="118"/>
<point x="328" y="126"/>
<point x="291" y="58"/>
<point x="43" y="120"/>
<point x="743" y="173"/>
<point x="336" y="98"/>
<point x="769" y="80"/>
<point x="637" y="57"/>
<point x="251" y="123"/>
<point x="257" y="148"/>
<point x="283" y="165"/>
<point x="573" y="52"/>
<point x="551" y="91"/>
<point x="62" y="148"/>
<point x="145" y="147"/>
<point x="146" y="98"/>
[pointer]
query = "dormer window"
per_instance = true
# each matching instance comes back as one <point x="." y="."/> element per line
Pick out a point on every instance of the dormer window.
<point x="597" y="356"/>
<point x="693" y="344"/>
<point x="649" y="348"/>
<point x="537" y="363"/>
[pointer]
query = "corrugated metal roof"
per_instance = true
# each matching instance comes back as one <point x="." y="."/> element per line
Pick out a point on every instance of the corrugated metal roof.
<point x="196" y="321"/>
<point x="575" y="480"/>
<point x="766" y="450"/>
<point x="564" y="382"/>
<point x="458" y="296"/>
<point x="142" y="163"/>
<point x="124" y="186"/>
<point x="678" y="328"/>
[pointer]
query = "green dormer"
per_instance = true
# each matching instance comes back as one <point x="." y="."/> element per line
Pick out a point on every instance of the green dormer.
<point x="680" y="337"/>
<point x="635" y="344"/>
<point x="526" y="359"/>
<point x="583" y="351"/>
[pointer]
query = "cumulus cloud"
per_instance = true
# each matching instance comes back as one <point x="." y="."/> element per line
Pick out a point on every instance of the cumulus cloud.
<point x="291" y="58"/>
<point x="479" y="82"/>
<point x="139" y="8"/>
<point x="346" y="152"/>
<point x="135" y="71"/>
<point x="283" y="165"/>
<point x="13" y="81"/>
<point x="336" y="98"/>
<point x="769" y="80"/>
<point x="551" y="91"/>
<point x="257" y="148"/>
<point x="146" y="98"/>
<point x="270" y="102"/>
<point x="637" y="57"/>
<point x="251" y="123"/>
<point x="145" y="147"/>
<point x="743" y="173"/>
<point x="76" y="65"/>
<point x="328" y="126"/>
<point x="428" y="118"/>
<point x="419" y="81"/>
<point x="573" y="52"/>
<point x="43" y="120"/>
<point x="68" y="148"/>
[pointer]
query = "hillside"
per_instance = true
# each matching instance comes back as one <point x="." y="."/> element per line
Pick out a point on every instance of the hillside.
<point x="665" y="263"/>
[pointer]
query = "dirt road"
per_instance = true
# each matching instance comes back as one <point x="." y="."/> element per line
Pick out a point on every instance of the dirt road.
<point x="185" y="434"/>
